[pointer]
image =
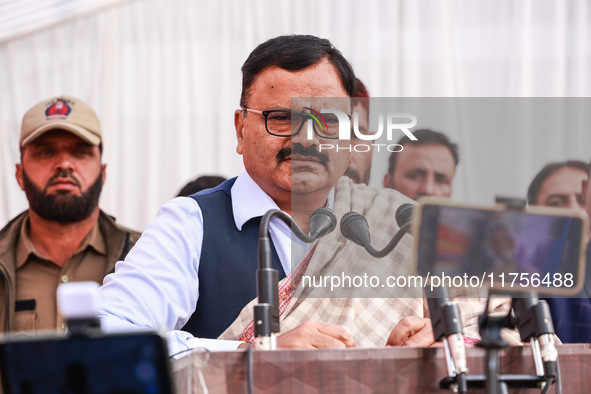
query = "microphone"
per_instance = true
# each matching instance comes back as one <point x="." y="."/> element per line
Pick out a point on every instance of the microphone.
<point x="403" y="214"/>
<point x="447" y="325"/>
<point x="354" y="227"/>
<point x="322" y="222"/>
<point x="78" y="303"/>
<point x="534" y="321"/>
<point x="266" y="313"/>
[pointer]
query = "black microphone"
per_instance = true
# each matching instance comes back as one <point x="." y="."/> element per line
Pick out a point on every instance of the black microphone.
<point x="266" y="313"/>
<point x="403" y="214"/>
<point x="447" y="325"/>
<point x="322" y="222"/>
<point x="354" y="227"/>
<point x="534" y="321"/>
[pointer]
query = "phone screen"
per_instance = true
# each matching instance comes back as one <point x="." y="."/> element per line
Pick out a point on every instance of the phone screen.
<point x="126" y="363"/>
<point x="511" y="250"/>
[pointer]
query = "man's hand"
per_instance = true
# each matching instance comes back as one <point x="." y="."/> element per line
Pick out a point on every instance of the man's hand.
<point x="412" y="331"/>
<point x="316" y="335"/>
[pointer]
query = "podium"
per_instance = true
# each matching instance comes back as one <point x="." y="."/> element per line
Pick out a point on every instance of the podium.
<point x="380" y="370"/>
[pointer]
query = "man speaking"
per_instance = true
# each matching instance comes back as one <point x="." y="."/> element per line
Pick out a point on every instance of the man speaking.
<point x="194" y="268"/>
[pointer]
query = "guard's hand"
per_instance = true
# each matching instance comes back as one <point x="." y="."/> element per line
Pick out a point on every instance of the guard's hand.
<point x="412" y="331"/>
<point x="316" y="335"/>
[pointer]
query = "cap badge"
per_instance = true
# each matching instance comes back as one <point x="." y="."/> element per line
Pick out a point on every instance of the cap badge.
<point x="58" y="110"/>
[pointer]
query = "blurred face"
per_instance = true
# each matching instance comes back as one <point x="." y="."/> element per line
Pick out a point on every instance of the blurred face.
<point x="283" y="165"/>
<point x="423" y="170"/>
<point x="501" y="239"/>
<point x="563" y="188"/>
<point x="62" y="176"/>
<point x="360" y="165"/>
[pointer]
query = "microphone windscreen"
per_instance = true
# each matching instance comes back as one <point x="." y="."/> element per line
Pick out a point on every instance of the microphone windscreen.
<point x="355" y="228"/>
<point x="322" y="222"/>
<point x="404" y="214"/>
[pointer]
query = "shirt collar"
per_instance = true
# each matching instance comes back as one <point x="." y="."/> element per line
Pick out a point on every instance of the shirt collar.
<point x="25" y="246"/>
<point x="245" y="190"/>
<point x="95" y="240"/>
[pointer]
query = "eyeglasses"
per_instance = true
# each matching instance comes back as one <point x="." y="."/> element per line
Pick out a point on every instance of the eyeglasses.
<point x="287" y="123"/>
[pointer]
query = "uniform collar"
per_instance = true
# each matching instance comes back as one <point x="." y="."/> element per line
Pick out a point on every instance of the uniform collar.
<point x="25" y="247"/>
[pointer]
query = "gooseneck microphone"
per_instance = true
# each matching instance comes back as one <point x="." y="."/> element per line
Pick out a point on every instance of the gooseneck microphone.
<point x="266" y="313"/>
<point x="354" y="227"/>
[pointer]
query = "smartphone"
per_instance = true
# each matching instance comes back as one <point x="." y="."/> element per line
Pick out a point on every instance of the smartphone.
<point x="519" y="250"/>
<point x="111" y="363"/>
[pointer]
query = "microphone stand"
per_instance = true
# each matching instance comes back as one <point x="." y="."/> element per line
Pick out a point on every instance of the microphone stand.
<point x="356" y="219"/>
<point x="534" y="321"/>
<point x="266" y="313"/>
<point x="535" y="324"/>
<point x="492" y="342"/>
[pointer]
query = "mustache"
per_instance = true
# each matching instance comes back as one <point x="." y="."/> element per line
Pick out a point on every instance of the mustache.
<point x="62" y="174"/>
<point x="301" y="150"/>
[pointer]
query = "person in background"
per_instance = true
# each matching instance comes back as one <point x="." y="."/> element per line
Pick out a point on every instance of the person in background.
<point x="63" y="236"/>
<point x="559" y="184"/>
<point x="201" y="183"/>
<point x="359" y="169"/>
<point x="566" y="184"/>
<point x="425" y="167"/>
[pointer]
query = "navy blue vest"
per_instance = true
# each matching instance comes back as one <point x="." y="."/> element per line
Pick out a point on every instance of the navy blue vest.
<point x="228" y="264"/>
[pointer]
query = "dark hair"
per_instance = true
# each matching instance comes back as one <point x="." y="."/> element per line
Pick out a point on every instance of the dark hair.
<point x="201" y="183"/>
<point x="361" y="95"/>
<point x="294" y="52"/>
<point x="549" y="169"/>
<point x="425" y="137"/>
